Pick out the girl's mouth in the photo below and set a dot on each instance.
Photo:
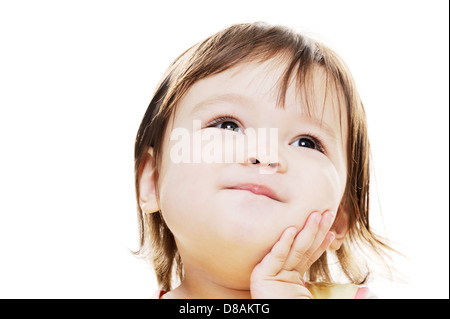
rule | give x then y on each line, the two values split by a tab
257	189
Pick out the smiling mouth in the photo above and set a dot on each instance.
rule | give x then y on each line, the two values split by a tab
257	190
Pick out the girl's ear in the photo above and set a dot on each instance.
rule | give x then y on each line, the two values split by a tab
147	187
339	228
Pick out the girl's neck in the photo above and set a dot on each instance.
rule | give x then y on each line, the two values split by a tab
197	286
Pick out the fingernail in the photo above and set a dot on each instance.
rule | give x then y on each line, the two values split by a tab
318	217
330	213
330	216
331	236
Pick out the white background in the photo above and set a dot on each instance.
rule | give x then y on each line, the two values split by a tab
76	78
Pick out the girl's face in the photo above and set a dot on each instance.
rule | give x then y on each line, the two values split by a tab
226	216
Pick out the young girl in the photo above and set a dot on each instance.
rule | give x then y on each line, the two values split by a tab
252	171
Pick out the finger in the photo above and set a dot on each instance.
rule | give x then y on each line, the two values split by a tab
324	226
323	247
273	262
317	247
303	242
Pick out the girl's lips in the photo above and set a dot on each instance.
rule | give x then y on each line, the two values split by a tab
257	189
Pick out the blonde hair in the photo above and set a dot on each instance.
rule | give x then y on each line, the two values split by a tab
259	42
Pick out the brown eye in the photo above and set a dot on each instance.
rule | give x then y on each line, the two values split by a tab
308	142
228	125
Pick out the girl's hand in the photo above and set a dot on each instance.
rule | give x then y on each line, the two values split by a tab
280	273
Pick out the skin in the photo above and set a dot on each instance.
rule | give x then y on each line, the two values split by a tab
235	243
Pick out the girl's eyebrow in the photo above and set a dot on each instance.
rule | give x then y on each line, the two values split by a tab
233	98
239	99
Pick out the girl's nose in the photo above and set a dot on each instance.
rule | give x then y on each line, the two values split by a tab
266	166
254	160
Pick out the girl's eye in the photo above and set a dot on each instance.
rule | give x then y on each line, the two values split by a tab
308	142
227	123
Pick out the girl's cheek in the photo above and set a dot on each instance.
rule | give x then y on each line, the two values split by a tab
318	187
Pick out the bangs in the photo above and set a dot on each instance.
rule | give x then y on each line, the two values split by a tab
316	88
